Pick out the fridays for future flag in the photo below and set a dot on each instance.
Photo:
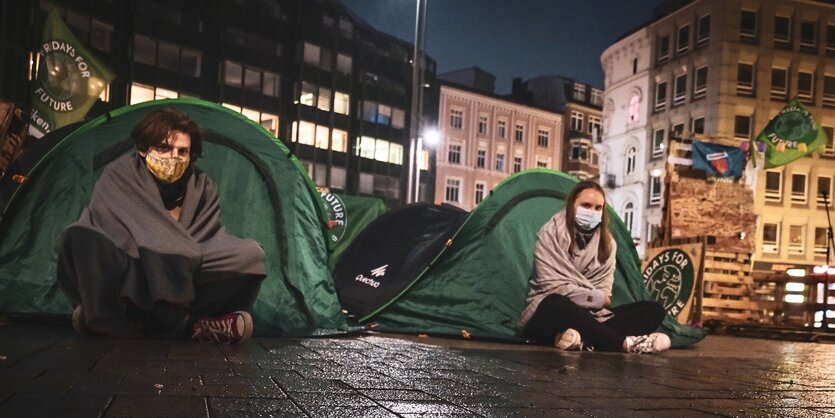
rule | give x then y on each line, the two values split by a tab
791	135
69	80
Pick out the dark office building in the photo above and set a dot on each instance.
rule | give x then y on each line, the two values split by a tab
334	89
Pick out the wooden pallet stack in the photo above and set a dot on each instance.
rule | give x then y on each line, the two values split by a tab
730	294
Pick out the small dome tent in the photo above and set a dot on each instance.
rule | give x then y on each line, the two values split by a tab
477	284
264	195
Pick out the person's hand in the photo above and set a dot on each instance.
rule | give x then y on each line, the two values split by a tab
607	303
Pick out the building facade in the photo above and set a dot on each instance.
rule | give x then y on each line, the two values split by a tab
628	172
486	138
718	72
334	89
581	106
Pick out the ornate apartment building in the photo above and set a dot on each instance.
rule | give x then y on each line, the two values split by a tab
581	105
719	71
486	138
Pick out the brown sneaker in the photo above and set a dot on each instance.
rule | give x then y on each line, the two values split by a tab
231	328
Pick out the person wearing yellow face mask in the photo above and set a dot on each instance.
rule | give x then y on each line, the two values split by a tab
149	256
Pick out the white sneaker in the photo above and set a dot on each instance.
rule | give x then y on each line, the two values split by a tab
647	344
569	340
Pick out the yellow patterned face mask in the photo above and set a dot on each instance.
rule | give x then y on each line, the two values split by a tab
167	170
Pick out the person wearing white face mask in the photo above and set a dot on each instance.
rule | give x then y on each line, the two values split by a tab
570	300
149	255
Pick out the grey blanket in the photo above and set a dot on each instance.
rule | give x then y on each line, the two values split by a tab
580	277
153	257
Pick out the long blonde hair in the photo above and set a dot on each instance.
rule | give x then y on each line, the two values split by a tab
604	247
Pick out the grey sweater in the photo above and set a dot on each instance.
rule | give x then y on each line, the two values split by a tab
580	277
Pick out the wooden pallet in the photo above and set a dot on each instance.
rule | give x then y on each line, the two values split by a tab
729	292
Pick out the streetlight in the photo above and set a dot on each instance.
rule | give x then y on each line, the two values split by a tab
431	137
417	99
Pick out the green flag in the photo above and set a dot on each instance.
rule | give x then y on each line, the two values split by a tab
69	81
791	135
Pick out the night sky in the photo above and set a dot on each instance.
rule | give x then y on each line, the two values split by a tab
513	38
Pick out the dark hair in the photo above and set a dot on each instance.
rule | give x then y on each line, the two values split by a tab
155	129
604	248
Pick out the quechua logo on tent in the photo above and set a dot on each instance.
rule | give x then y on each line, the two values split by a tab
669	279
377	272
337	216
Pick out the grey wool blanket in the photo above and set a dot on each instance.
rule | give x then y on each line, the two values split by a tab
578	276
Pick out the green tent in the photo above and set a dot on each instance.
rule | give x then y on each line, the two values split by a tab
347	217
477	286
264	194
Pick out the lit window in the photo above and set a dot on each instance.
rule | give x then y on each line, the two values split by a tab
634	108
339	140
341	103
308	94
324	102
140	93
306	133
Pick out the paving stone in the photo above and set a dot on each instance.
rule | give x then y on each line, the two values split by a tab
313	385
354	399
53	405
158	406
348	412
422	407
253	407
398	395
526	412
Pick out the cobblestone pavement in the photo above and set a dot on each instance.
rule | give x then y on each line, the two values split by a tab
47	371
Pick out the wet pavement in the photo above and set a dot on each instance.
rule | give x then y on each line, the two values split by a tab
47	371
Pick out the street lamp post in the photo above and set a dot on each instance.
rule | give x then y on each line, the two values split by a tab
417	104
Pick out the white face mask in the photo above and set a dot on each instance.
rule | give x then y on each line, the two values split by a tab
587	219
